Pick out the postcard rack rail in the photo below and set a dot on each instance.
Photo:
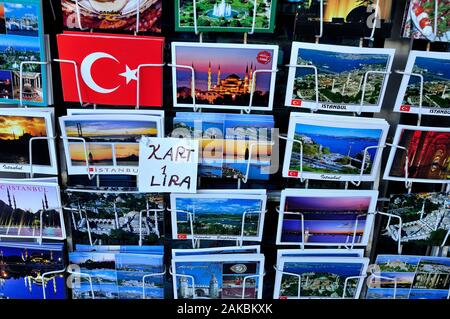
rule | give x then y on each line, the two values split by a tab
196	238
244	282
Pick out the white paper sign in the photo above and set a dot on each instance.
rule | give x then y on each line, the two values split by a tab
168	165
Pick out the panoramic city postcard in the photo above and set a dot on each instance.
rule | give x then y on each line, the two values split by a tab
344	74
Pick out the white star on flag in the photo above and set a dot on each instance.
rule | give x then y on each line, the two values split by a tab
129	74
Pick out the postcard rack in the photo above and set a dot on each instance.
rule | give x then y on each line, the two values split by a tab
375	277
300	280
196	238
420	76
200	34
47	274
75	277
50	139
248	110
138	74
144	278
316	80
363	95
245	178
192	279
174	67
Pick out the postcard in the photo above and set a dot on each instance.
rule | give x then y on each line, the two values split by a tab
416	277
229	143
255	249
224	75
218	216
111	140
22	40
423	215
22	268
428	150
419	21
434	67
319	277
338	11
218	276
18	128
117	275
341	71
320	253
331	218
111	218
108	75
30	210
113	15
335	148
225	16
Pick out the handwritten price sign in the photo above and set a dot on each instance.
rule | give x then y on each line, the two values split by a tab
168	165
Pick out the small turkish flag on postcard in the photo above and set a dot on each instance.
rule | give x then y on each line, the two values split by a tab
405	108
107	66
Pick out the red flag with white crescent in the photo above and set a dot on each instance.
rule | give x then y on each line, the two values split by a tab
107	66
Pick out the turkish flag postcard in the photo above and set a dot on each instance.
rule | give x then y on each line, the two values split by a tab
107	68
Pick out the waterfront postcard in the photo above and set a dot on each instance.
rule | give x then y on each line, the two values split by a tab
113	15
335	217
319	277
434	69
225	15
106	143
428	150
343	75
21	127
22	41
226	76
31	210
237	276
218	216
25	267
424	217
229	143
334	148
112	218
409	277
116	275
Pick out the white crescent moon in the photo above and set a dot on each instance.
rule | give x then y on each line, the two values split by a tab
86	66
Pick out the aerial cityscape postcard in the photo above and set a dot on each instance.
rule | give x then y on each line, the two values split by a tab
26	271
334	148
331	218
20	128
419	21
428	150
112	218
116	275
343	74
113	15
106	144
225	16
218	216
319	277
229	143
22	41
434	69
343	11
424	216
237	276
31	210
226	75
409	277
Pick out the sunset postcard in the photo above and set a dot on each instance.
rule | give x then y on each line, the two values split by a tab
328	220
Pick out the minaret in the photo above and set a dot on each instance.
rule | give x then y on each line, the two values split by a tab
192	83
9	197
14	200
45	200
209	76
43	205
91	158
218	76
79	129
246	80
443	93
